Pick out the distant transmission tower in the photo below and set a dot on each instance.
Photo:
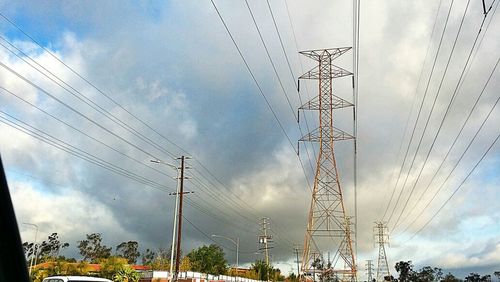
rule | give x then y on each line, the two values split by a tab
381	239
369	270
329	227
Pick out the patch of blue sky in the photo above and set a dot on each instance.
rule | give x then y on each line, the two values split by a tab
45	30
153	9
490	172
480	227
37	183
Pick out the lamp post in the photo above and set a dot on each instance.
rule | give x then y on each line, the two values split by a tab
236	242
175	214
35	251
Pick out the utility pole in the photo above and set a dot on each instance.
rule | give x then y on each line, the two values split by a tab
179	217
264	241
369	270
174	224
381	239
296	249
329	226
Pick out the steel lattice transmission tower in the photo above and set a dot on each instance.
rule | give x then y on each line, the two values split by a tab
381	239
369	270
329	227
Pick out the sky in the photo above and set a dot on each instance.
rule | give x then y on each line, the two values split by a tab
163	79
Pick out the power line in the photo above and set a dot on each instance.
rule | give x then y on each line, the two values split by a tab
211	239
74	110
257	84
278	76
59	144
89	82
458	187
252	75
77	94
102	92
430	115
466	149
96	88
82	132
463	124
419	112
413	102
453	98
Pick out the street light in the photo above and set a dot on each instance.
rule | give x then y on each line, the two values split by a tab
175	214
236	242
34	245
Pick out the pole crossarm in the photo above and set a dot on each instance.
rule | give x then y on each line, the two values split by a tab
333	53
316	73
337	103
314	136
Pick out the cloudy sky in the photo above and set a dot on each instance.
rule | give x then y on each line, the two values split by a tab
160	79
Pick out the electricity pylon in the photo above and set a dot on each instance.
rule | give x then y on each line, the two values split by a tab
328	227
369	270
381	239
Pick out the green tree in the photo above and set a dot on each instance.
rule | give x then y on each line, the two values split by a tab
128	250
148	256
405	270
160	260
92	248
126	274
208	259
450	278
426	274
262	269
50	249
325	269
47	250
292	277
111	265
474	277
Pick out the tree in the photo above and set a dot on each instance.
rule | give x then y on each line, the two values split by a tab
160	260
450	278
92	248
262	269
128	250
326	273
185	264
405	270
497	274
148	256
426	274
111	265
29	250
292	277
474	277
126	274
208	259
46	250
50	249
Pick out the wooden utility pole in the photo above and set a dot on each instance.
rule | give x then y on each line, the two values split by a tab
179	224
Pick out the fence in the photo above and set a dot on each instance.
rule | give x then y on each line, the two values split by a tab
195	276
